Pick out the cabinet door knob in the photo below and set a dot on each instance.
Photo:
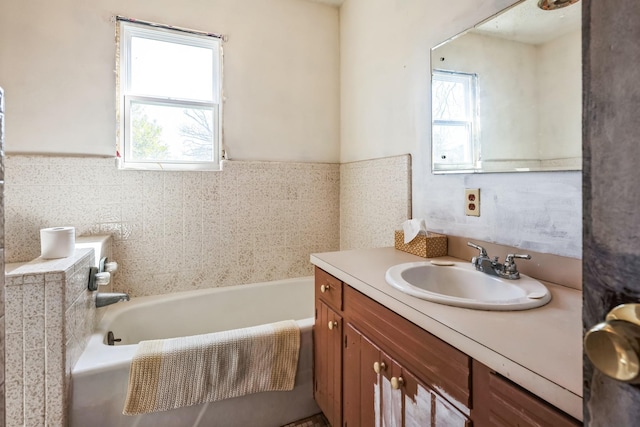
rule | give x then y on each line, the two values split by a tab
613	346
379	367
325	288
396	383
333	324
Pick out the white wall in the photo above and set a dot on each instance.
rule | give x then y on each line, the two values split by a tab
560	72
385	104
281	74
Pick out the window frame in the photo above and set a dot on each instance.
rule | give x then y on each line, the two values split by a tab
472	122
127	29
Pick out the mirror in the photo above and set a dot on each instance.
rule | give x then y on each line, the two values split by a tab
507	94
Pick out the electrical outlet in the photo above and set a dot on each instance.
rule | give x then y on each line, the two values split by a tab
472	201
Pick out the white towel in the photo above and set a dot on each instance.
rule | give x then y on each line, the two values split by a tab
176	372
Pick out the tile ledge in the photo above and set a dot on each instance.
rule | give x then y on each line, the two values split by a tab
41	266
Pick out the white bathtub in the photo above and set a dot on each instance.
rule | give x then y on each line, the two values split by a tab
99	379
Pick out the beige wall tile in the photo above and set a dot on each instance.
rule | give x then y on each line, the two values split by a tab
375	198
34	384
232	225
38	376
13	308
2	357
33	332
14	382
54	304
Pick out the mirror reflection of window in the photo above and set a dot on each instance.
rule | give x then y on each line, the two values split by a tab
455	120
528	62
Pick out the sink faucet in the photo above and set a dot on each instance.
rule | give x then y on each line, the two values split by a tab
508	270
108	298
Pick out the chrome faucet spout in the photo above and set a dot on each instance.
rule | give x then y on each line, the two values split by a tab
107	298
508	270
488	266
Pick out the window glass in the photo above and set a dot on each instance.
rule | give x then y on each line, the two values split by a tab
452	95
171	70
162	132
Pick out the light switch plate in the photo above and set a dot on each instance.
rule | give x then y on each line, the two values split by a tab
472	201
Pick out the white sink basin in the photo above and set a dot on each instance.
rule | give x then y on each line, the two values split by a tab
461	285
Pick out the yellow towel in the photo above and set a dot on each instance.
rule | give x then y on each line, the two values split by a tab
172	373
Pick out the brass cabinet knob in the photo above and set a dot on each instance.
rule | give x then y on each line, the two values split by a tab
379	367
396	383
333	324
613	346
325	288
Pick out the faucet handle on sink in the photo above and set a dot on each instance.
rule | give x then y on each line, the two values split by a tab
510	257
510	265
483	251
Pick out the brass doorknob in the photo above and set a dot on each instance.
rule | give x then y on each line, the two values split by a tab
379	367
325	288
333	324
396	383
613	346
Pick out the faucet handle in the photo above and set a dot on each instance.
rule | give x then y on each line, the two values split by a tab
509	263
103	279
483	251
510	257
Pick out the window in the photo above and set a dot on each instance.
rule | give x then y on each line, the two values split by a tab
455	123
169	98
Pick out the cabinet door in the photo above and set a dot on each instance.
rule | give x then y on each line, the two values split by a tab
327	334
425	407
362	360
391	394
379	392
369	400
498	402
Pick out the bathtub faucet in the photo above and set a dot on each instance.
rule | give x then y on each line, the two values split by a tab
108	298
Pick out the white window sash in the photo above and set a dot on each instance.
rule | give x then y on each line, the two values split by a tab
470	122
128	30
148	164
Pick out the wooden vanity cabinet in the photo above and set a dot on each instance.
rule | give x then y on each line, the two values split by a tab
327	348
373	367
372	364
500	403
377	387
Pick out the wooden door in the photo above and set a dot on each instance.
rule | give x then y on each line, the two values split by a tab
328	362
611	190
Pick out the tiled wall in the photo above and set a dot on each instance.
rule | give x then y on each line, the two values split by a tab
253	221
375	198
173	231
49	318
2	294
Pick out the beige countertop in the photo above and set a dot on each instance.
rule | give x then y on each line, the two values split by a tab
539	349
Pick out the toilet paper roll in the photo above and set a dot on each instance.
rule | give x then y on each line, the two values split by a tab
57	242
